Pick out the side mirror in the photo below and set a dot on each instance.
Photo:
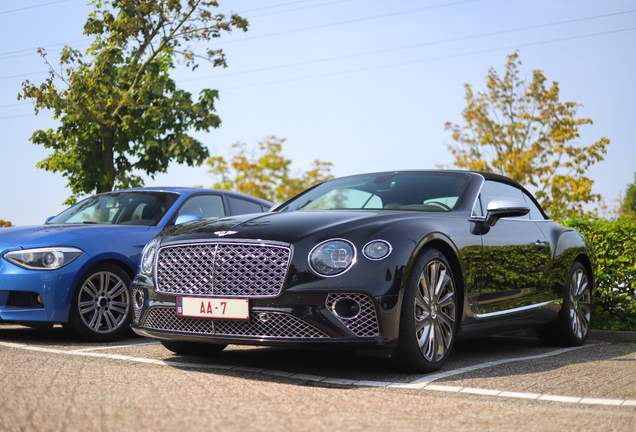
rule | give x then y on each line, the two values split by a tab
505	207
186	218
48	219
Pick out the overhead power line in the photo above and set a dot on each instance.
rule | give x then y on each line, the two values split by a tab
404	47
384	51
32	7
430	59
29	51
275	6
451	56
32	50
352	21
294	9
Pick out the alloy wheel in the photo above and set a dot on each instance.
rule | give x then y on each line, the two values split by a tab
103	302
435	311
580	301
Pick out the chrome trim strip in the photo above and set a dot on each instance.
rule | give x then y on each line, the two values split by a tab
224	241
515	310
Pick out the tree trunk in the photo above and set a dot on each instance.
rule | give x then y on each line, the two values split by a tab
107	165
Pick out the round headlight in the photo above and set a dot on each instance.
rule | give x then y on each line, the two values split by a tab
377	249
332	257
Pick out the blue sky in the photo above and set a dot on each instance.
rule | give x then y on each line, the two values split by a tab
364	84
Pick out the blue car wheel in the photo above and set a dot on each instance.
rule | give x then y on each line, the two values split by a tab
100	310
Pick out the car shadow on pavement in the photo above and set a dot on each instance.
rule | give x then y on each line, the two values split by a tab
55	337
518	354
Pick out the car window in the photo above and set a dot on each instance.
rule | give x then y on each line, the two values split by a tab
240	206
203	205
345	199
390	191
119	208
535	212
492	189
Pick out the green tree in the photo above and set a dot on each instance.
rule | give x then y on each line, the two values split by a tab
264	173
119	109
520	129
4	223
628	207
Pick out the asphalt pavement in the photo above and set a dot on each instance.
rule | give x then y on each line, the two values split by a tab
50	382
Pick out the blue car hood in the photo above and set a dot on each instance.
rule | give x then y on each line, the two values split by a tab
60	235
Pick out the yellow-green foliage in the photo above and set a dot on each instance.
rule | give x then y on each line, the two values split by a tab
266	173
615	246
521	129
4	223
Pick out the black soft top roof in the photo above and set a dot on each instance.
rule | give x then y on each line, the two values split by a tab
511	182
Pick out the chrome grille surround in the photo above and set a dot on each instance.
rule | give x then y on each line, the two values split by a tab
365	323
222	269
276	325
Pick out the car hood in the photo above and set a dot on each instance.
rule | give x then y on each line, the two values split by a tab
59	235
287	227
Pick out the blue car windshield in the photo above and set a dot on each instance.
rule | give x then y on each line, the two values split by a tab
391	191
119	208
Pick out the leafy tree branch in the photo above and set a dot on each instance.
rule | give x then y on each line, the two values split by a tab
119	109
521	129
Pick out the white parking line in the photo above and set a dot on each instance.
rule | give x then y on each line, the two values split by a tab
434	377
115	347
315	378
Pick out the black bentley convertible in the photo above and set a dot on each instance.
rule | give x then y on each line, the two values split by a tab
399	262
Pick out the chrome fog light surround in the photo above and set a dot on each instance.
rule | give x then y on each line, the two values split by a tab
138	299
346	308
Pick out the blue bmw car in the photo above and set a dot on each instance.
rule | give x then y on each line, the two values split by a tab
76	268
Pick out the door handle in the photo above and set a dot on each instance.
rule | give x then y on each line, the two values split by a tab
539	245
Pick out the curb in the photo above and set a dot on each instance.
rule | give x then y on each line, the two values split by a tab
609	335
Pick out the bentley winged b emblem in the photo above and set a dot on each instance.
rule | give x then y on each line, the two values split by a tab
224	233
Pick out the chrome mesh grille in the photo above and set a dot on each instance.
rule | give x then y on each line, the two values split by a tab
366	322
222	269
165	318
277	325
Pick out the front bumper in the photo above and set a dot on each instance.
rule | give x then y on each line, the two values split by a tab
291	319
20	288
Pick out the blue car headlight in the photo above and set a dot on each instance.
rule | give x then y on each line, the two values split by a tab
148	257
332	257
48	258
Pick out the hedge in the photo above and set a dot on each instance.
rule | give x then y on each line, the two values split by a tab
615	245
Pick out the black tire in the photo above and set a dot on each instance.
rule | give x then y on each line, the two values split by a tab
100	310
428	319
573	322
193	348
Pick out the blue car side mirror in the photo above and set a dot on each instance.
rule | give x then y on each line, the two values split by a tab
186	218
48	219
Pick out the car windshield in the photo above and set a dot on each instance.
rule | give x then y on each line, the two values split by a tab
394	191
119	208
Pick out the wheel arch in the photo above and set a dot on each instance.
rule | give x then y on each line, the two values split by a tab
587	263
116	262
450	253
